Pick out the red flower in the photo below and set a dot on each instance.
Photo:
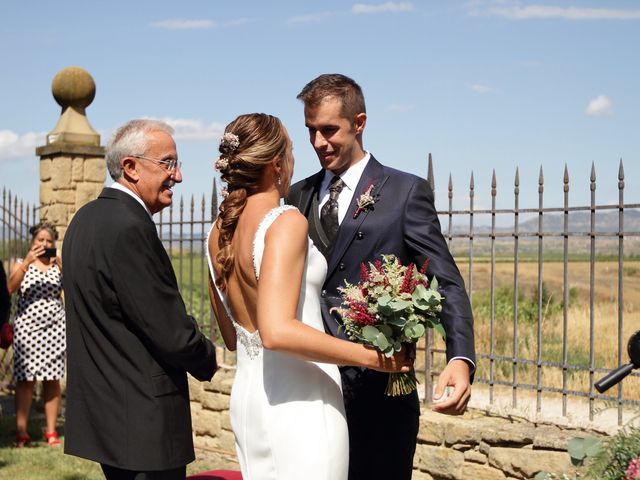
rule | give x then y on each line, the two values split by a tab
359	313
408	284
364	273
423	269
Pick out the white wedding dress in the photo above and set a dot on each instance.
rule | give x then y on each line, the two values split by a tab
287	414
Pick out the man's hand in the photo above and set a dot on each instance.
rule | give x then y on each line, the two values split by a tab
456	375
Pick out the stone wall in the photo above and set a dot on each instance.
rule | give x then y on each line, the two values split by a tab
475	446
68	180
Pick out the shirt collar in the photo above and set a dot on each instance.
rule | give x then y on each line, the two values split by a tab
351	176
122	188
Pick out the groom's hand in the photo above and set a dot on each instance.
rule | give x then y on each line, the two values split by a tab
456	375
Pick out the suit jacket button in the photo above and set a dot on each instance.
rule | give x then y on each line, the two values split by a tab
341	267
323	293
360	235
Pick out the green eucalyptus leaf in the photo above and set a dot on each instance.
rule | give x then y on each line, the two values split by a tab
397	320
384	300
440	329
386	330
381	342
399	304
418	330
370	333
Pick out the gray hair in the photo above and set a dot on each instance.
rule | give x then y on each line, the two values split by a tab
131	139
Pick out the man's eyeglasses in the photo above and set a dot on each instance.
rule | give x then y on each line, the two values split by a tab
169	165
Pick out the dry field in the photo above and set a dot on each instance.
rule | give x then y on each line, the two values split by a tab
605	323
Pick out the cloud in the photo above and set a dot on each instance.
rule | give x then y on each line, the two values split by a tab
599	107
237	22
312	17
186	129
14	146
514	11
181	24
364	8
481	89
399	108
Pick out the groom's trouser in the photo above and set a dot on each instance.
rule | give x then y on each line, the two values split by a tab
114	473
382	430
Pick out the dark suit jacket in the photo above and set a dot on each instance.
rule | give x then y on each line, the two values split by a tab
130	342
403	222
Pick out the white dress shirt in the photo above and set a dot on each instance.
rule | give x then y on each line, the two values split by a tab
122	188
350	177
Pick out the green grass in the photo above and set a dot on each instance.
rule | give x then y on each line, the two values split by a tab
38	461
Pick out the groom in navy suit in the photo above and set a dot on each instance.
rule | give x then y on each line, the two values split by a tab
400	218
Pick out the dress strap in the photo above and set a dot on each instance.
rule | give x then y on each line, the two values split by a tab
222	297
258	239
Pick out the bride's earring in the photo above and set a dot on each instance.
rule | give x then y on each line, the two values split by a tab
279	181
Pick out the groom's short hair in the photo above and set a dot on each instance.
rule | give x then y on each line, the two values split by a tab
338	86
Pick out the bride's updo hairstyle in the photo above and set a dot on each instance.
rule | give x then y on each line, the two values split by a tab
250	144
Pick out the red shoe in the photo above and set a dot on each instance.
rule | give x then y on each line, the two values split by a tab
22	440
52	439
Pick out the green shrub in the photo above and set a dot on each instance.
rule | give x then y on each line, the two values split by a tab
612	461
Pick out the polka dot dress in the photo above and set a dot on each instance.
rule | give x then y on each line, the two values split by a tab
39	342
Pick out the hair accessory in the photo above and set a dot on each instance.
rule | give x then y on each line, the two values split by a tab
221	164
224	193
230	141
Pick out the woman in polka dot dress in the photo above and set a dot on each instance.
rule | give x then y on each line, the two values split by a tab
39	331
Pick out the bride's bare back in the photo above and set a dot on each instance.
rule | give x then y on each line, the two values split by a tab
242	285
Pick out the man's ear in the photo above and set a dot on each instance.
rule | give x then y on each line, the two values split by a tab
360	120
129	169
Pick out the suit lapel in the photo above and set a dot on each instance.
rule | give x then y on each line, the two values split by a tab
373	175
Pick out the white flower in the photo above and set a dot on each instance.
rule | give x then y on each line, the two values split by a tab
221	164
230	141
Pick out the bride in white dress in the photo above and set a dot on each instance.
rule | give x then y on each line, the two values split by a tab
286	409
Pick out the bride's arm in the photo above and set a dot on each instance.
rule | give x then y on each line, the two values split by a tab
224	323
278	291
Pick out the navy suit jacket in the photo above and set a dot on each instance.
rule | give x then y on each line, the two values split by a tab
130	342
402	221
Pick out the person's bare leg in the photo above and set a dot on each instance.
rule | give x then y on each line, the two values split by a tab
24	396
51	393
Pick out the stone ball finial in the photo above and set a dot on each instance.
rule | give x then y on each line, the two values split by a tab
73	87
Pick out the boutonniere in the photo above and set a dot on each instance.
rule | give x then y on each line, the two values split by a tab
365	201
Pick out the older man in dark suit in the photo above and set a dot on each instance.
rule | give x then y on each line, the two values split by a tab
358	209
130	341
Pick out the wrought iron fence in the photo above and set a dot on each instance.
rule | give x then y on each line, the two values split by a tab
526	346
526	322
16	217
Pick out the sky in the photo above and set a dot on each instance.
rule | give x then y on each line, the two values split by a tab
481	85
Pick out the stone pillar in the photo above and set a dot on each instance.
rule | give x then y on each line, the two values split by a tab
72	164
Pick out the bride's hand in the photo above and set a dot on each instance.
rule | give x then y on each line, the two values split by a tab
401	361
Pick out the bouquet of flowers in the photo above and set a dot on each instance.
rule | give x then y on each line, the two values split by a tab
391	305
